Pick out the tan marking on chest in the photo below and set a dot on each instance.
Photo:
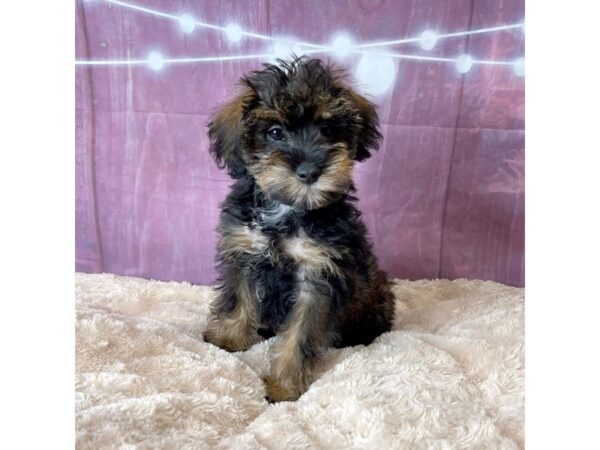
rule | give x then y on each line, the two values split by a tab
313	257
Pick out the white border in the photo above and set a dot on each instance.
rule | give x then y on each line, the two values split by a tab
37	225
562	225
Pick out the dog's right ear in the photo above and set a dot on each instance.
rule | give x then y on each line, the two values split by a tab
225	134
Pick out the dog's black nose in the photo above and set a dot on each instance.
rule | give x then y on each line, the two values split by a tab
308	172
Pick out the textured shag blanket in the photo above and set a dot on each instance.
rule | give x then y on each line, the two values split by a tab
450	375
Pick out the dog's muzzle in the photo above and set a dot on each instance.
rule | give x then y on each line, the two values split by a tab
308	172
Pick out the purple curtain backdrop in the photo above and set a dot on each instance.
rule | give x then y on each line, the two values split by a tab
444	196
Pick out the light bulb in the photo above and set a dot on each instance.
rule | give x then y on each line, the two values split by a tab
519	67
342	45
187	23
428	40
464	63
376	73
155	61
233	32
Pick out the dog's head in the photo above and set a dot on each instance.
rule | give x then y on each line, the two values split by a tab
297	129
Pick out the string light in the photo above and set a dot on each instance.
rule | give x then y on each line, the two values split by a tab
428	40
341	47
464	63
198	23
410	57
187	23
172	60
519	67
281	51
375	74
156	61
441	36
234	32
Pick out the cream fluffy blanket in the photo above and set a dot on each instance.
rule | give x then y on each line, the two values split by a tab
449	376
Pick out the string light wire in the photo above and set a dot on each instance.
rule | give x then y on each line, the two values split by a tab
172	60
208	25
441	36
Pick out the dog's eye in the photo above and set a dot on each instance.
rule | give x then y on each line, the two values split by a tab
276	133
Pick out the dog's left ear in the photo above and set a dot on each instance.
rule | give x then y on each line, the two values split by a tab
225	134
369	136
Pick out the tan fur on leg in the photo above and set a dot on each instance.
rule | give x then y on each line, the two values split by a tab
235	331
292	370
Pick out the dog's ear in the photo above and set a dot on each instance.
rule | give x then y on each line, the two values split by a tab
225	133
369	136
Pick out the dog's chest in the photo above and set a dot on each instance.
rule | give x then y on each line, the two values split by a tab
285	272
285	237
284	259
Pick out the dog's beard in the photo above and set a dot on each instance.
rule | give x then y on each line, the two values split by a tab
277	179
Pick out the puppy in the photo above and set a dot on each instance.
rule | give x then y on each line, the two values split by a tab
293	253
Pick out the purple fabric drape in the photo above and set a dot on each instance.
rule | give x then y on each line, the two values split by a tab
444	196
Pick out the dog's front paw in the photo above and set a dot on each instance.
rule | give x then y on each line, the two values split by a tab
231	343
278	391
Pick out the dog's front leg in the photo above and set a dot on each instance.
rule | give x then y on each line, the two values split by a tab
304	337
233	323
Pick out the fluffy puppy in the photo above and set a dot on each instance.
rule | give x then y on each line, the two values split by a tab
294	258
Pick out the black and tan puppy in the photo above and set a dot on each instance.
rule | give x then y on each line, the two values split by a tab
293	252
